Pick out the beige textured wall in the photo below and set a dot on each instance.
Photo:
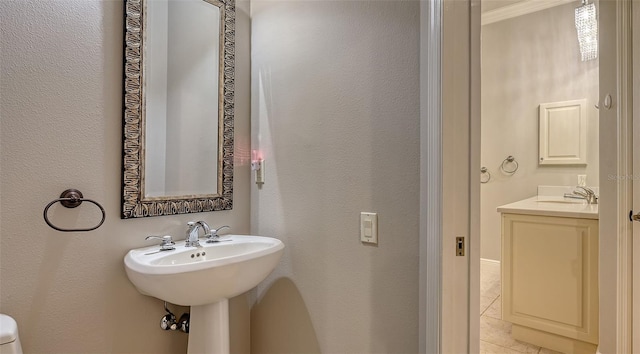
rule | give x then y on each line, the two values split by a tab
335	112
526	61
61	101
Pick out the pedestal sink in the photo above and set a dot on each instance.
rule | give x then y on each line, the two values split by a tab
204	278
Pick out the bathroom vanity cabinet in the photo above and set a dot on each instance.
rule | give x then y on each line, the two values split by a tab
550	277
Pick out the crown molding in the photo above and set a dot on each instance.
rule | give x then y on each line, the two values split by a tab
521	8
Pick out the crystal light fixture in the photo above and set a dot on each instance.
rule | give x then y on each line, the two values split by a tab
587	28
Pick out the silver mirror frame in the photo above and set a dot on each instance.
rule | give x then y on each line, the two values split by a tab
134	204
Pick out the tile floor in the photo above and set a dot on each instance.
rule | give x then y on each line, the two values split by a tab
495	334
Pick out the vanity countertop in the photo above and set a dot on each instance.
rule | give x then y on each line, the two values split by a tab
552	206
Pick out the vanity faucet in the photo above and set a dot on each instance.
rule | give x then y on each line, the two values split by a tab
587	193
192	233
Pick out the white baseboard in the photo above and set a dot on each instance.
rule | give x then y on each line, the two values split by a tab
487	260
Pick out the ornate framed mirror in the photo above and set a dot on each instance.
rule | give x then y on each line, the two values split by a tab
179	69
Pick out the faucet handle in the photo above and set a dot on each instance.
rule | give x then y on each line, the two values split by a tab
215	231
166	244
213	236
588	194
586	190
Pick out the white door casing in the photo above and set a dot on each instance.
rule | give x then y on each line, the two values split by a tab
430	272
615	159
475	163
456	176
636	183
615	145
447	192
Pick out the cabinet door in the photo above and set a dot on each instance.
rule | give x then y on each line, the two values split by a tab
563	133
550	274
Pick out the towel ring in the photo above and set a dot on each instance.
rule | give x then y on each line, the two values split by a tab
510	160
485	176
72	198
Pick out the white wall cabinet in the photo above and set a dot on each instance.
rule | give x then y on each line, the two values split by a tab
550	281
563	133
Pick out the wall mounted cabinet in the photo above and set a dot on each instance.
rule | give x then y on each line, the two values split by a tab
563	133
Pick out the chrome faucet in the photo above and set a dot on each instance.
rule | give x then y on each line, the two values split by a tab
584	193
192	233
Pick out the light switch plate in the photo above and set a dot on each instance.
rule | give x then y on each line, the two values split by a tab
582	180
369	228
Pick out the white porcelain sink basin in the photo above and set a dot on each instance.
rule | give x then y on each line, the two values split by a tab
191	276
561	200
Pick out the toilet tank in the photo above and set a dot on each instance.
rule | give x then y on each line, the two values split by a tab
9	340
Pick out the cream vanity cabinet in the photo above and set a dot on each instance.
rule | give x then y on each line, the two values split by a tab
550	276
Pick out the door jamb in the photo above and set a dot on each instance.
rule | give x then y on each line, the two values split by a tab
624	109
635	281
430	246
623	196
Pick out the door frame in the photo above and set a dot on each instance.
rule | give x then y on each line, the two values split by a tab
449	107
616	165
635	291
430	228
450	91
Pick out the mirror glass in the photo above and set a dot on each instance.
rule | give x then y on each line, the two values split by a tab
181	102
178	118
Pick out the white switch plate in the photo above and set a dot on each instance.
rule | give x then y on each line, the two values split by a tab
582	180
369	228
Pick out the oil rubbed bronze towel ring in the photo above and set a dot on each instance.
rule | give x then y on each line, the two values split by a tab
72	198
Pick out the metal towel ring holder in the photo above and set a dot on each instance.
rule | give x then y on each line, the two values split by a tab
485	176
72	198
510	160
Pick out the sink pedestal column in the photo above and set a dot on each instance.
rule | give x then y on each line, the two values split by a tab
209	329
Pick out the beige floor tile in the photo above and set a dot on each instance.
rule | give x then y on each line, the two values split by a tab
489	280
492	271
488	348
548	351
488	297
490	289
495	309
487	268
485	302
498	332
